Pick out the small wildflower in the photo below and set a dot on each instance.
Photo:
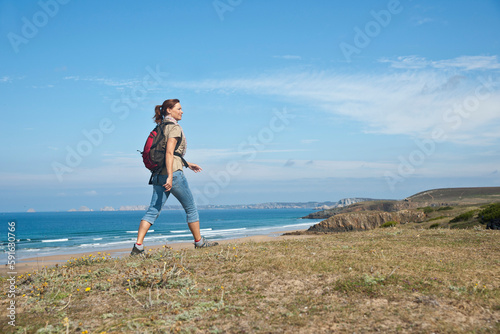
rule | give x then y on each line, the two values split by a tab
87	289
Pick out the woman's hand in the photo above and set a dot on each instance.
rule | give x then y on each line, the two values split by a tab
194	167
168	184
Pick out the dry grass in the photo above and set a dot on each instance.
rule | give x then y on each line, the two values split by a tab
385	280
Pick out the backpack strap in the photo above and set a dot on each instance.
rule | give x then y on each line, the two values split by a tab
184	162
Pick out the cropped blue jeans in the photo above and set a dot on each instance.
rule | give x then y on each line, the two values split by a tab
180	190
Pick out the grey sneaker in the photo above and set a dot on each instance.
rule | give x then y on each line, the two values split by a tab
205	243
136	251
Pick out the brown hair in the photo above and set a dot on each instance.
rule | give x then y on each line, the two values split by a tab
161	111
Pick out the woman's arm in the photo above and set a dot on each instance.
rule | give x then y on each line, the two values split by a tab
194	167
169	162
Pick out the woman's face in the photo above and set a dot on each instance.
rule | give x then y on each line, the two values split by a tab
176	112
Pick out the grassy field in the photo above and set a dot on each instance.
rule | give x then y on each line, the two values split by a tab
390	280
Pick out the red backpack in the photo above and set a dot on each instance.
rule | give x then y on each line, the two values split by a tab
153	154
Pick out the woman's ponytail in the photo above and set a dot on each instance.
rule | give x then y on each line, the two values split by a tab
158	117
161	111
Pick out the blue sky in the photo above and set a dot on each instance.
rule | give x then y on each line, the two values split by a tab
283	100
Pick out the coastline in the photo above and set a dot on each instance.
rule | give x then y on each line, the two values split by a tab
39	262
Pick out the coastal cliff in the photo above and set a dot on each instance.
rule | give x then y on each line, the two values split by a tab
371	205
360	221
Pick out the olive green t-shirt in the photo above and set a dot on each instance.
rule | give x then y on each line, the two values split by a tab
175	131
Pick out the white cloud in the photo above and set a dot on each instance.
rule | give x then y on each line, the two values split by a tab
289	57
421	20
308	141
464	63
413	103
209	155
106	81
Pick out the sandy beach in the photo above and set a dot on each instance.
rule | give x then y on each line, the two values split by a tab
39	262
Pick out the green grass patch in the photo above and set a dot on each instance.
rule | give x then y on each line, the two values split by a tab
390	223
436	218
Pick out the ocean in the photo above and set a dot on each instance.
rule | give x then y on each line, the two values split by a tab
56	233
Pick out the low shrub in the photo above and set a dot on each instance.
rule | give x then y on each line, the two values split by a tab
428	209
491	212
435	225
463	217
444	208
390	223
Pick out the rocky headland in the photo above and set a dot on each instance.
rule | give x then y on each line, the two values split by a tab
361	221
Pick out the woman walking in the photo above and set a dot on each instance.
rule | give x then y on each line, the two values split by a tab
171	179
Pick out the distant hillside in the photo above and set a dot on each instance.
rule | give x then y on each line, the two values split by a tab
269	205
461	196
288	205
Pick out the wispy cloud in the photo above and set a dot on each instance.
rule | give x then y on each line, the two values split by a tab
308	141
433	94
216	154
418	21
464	63
106	81
289	57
